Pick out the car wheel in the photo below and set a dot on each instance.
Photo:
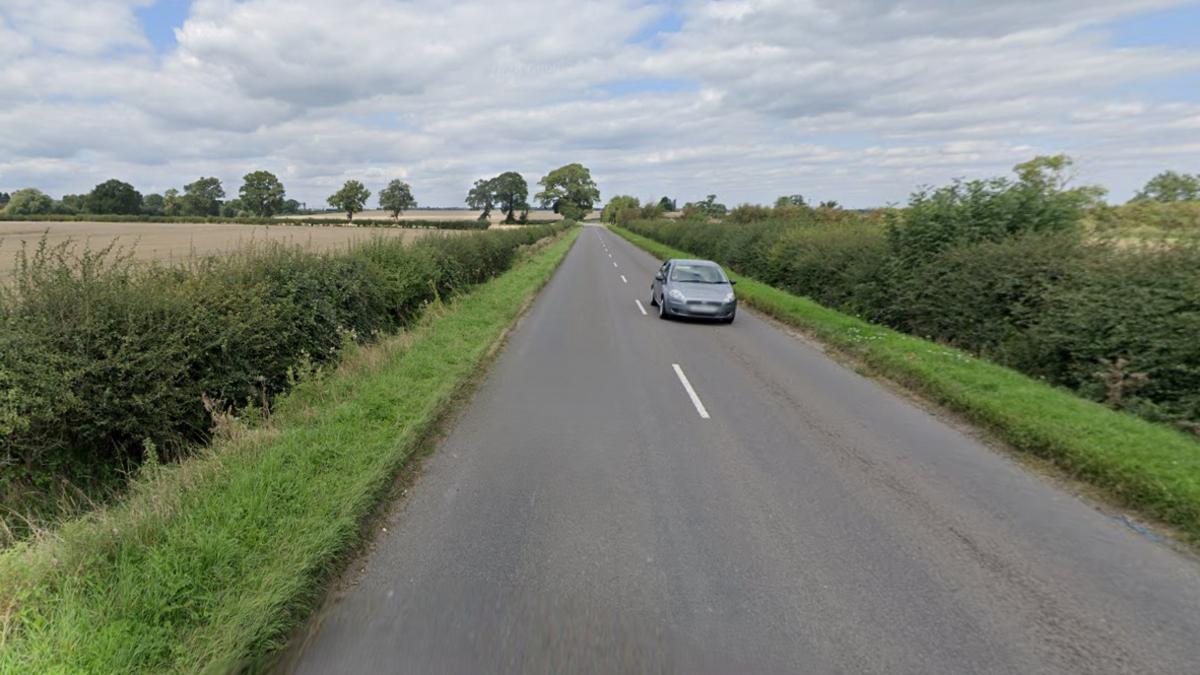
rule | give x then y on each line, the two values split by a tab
662	309
653	302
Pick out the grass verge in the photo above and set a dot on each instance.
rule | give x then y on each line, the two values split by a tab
208	566
1137	464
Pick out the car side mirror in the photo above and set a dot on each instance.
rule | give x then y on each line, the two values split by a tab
658	277
733	282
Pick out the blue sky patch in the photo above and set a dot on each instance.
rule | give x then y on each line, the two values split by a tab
161	19
1176	89
652	33
1177	27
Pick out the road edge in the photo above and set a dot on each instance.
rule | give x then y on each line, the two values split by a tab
285	659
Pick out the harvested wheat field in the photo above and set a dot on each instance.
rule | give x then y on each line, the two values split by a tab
165	242
496	215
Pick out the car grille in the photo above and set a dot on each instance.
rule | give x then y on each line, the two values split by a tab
713	303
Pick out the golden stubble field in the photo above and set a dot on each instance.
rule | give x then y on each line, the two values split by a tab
165	242
440	214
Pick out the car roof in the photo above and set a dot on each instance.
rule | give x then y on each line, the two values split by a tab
688	261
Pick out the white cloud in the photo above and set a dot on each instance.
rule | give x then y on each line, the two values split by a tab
82	28
857	100
12	43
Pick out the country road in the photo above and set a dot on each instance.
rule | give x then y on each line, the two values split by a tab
587	514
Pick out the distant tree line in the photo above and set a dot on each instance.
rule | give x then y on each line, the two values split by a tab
1170	186
261	195
568	190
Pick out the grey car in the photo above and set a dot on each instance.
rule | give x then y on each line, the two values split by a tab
693	288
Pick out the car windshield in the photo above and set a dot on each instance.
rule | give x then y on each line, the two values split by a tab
698	274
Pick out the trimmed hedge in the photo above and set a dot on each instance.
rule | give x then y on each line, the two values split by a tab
103	360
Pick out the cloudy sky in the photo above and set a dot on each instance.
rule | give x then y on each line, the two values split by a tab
853	100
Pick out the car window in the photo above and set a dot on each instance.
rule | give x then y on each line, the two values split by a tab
698	274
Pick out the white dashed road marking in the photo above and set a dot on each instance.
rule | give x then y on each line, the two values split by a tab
690	392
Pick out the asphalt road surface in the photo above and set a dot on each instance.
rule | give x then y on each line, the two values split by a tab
588	515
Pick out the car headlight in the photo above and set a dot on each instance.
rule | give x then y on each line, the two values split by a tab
730	297
676	294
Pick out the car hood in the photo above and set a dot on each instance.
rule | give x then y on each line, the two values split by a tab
702	291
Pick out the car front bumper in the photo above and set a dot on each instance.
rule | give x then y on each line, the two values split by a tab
701	309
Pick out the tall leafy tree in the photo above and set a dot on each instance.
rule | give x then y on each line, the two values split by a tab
234	208
482	196
569	190
262	194
511	192
1053	175
792	206
28	202
711	207
616	205
351	198
153	205
1170	186
114	197
4	197
667	204
62	208
396	198
1048	172
172	203
203	197
71	204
